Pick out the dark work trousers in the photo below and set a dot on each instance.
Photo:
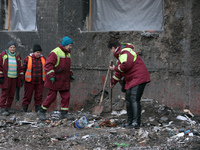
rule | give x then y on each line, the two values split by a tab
51	97
29	88
133	106
7	95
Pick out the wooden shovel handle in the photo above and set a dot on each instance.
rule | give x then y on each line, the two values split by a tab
111	74
104	85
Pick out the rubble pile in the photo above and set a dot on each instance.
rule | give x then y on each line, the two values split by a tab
161	128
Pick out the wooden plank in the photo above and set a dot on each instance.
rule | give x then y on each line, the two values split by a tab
9	6
90	15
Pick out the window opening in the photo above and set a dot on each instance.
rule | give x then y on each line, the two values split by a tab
126	15
20	15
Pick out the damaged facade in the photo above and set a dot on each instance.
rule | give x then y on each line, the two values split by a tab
171	57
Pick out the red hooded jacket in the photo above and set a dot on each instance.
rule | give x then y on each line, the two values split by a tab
130	66
57	66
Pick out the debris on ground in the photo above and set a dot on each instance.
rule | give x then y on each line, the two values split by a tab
161	128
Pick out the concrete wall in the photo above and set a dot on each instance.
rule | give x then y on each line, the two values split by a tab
172	58
46	36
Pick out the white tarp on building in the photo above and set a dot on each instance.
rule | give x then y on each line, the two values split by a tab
23	15
127	15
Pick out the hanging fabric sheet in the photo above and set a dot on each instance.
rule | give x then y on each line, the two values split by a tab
23	15
127	15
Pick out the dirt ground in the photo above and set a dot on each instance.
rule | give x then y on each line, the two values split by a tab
160	129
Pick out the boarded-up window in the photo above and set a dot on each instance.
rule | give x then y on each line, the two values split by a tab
126	15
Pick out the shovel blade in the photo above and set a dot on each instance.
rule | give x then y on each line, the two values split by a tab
97	110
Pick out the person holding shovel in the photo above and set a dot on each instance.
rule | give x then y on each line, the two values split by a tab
131	67
58	75
11	77
33	67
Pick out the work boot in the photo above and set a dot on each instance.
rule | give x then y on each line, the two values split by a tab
129	123
130	117
135	125
136	114
41	114
64	115
10	111
25	108
4	112
133	108
129	112
37	108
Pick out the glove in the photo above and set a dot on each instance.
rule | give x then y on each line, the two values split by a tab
1	80
52	80
72	78
122	83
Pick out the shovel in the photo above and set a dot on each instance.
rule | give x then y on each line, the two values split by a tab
98	109
111	74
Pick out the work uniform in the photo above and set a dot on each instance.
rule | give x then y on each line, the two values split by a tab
34	79
57	66
12	73
131	67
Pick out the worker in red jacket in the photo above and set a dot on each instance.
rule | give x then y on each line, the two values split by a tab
33	67
11	77
58	74
131	67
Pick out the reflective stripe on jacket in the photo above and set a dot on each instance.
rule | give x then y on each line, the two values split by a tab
29	69
4	69
60	54
130	66
57	66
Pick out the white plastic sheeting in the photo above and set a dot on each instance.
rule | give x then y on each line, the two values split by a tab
127	15
23	15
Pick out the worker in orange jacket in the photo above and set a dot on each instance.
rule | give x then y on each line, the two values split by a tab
33	67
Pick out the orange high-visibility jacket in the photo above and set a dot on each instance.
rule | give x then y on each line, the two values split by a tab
29	69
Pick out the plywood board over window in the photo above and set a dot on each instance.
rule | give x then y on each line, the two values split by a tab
125	15
21	15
